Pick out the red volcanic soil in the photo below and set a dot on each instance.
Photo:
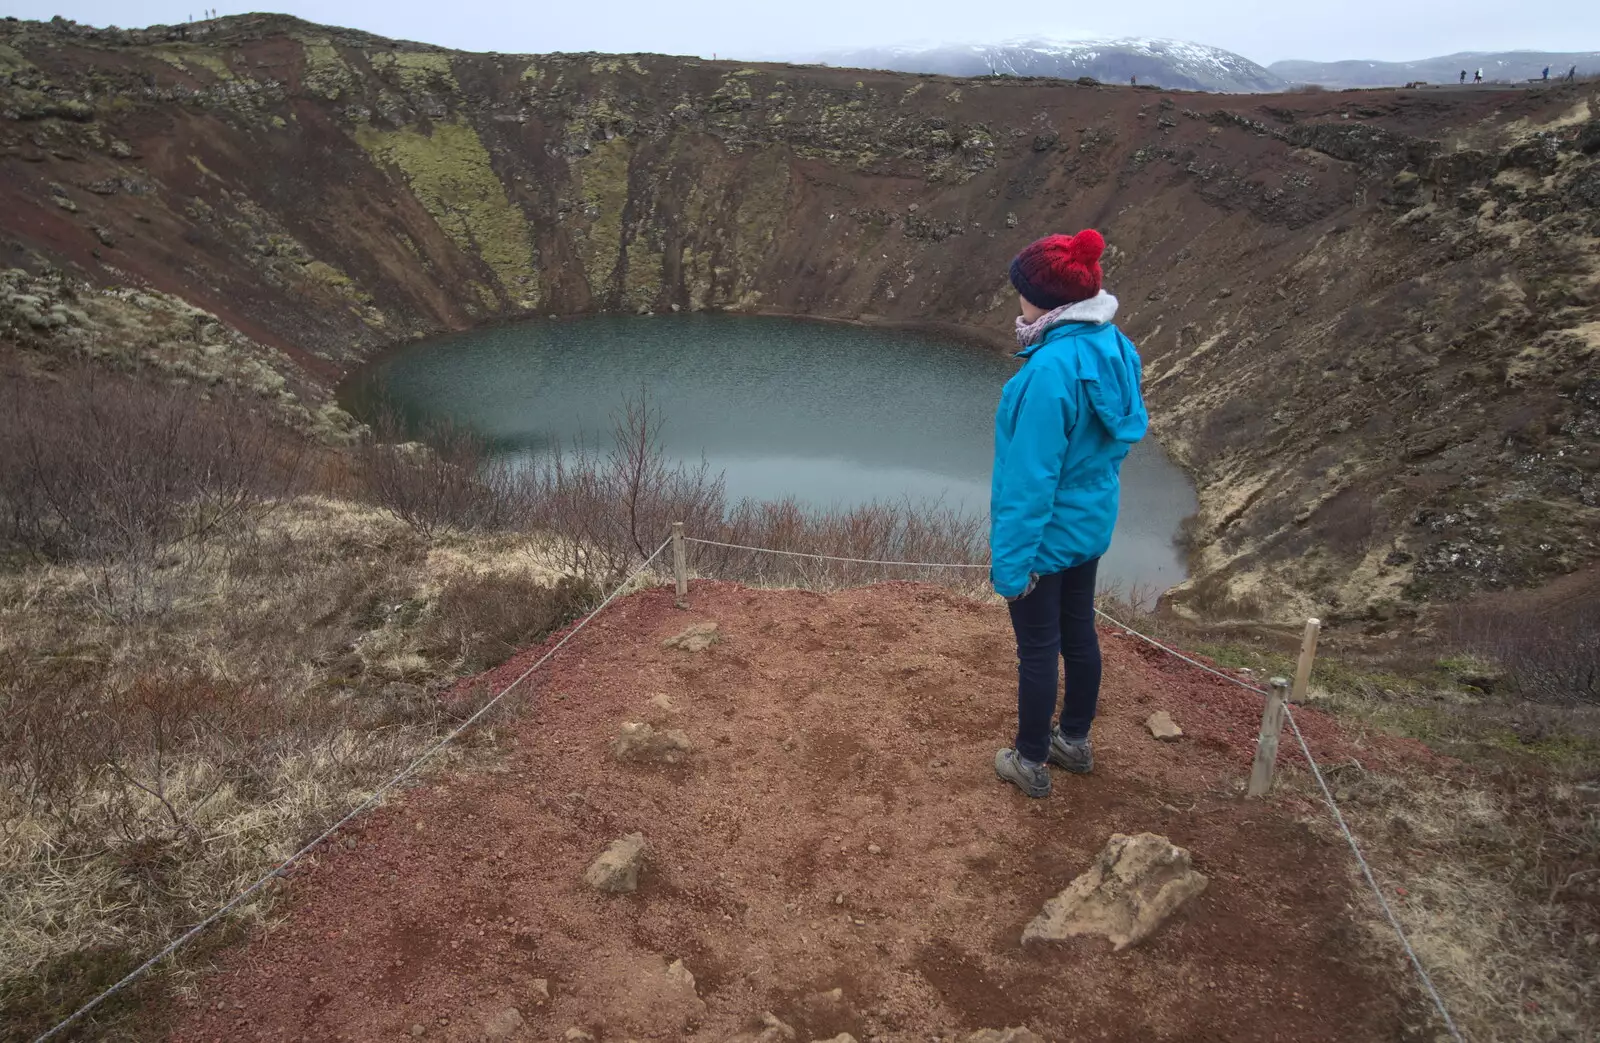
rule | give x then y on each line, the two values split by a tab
838	825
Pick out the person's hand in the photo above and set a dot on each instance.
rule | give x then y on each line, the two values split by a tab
1033	581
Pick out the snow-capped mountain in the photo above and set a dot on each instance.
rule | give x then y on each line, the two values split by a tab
1161	63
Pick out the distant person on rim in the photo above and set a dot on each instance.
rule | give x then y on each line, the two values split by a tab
1477	77
1463	76
1065	423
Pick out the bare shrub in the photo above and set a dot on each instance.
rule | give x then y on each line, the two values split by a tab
608	511
1552	657
448	480
930	534
480	620
123	476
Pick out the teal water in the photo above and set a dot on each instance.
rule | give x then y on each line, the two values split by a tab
834	415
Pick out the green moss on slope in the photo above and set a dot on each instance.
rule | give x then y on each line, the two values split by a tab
416	70
450	174
326	73
601	180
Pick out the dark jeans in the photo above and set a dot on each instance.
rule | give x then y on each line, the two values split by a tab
1056	621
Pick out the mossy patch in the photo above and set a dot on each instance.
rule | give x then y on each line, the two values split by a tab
183	58
763	206
450	174
11	60
416	70
326	74
601	180
641	286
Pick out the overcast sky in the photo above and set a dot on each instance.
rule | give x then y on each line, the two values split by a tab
1388	30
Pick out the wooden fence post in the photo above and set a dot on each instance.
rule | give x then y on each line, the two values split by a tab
1308	654
680	565
1267	742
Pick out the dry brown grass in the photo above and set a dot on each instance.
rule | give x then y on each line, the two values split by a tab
1494	879
1489	858
148	771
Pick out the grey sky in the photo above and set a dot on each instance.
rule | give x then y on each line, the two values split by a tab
1327	30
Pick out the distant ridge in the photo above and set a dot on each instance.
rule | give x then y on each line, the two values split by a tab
1512	66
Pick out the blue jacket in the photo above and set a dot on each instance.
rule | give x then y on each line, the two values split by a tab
1065	423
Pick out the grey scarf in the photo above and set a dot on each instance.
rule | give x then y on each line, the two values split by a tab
1102	307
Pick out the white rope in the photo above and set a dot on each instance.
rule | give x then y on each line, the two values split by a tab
1174	652
1366	870
372	799
831	557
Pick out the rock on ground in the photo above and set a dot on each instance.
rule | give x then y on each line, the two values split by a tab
772	1031
843	1037
1136	882
696	638
641	742
649	997
617	868
1163	727
504	1024
1017	1035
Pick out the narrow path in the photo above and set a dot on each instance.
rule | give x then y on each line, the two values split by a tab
836	826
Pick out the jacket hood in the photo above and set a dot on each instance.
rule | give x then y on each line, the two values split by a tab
1108	365
1114	388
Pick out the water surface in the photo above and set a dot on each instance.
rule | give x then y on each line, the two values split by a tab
834	415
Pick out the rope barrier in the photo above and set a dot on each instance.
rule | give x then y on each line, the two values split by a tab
404	773
1316	771
372	799
1366	871
1174	652
831	557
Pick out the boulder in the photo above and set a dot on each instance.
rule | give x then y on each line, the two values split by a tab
503	1024
642	743
697	638
617	868
1163	727
1135	883
772	1031
648	997
843	1037
1017	1035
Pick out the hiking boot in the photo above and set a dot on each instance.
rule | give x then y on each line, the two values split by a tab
1075	755
1032	779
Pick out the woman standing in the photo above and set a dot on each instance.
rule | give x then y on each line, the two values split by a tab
1065	423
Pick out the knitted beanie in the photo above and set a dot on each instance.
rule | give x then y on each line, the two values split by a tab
1059	269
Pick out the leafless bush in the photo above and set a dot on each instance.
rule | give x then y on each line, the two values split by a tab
930	534
447	480
125	476
479	621
1550	657
608	511
603	513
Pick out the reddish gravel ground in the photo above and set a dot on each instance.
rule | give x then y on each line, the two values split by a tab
838	826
